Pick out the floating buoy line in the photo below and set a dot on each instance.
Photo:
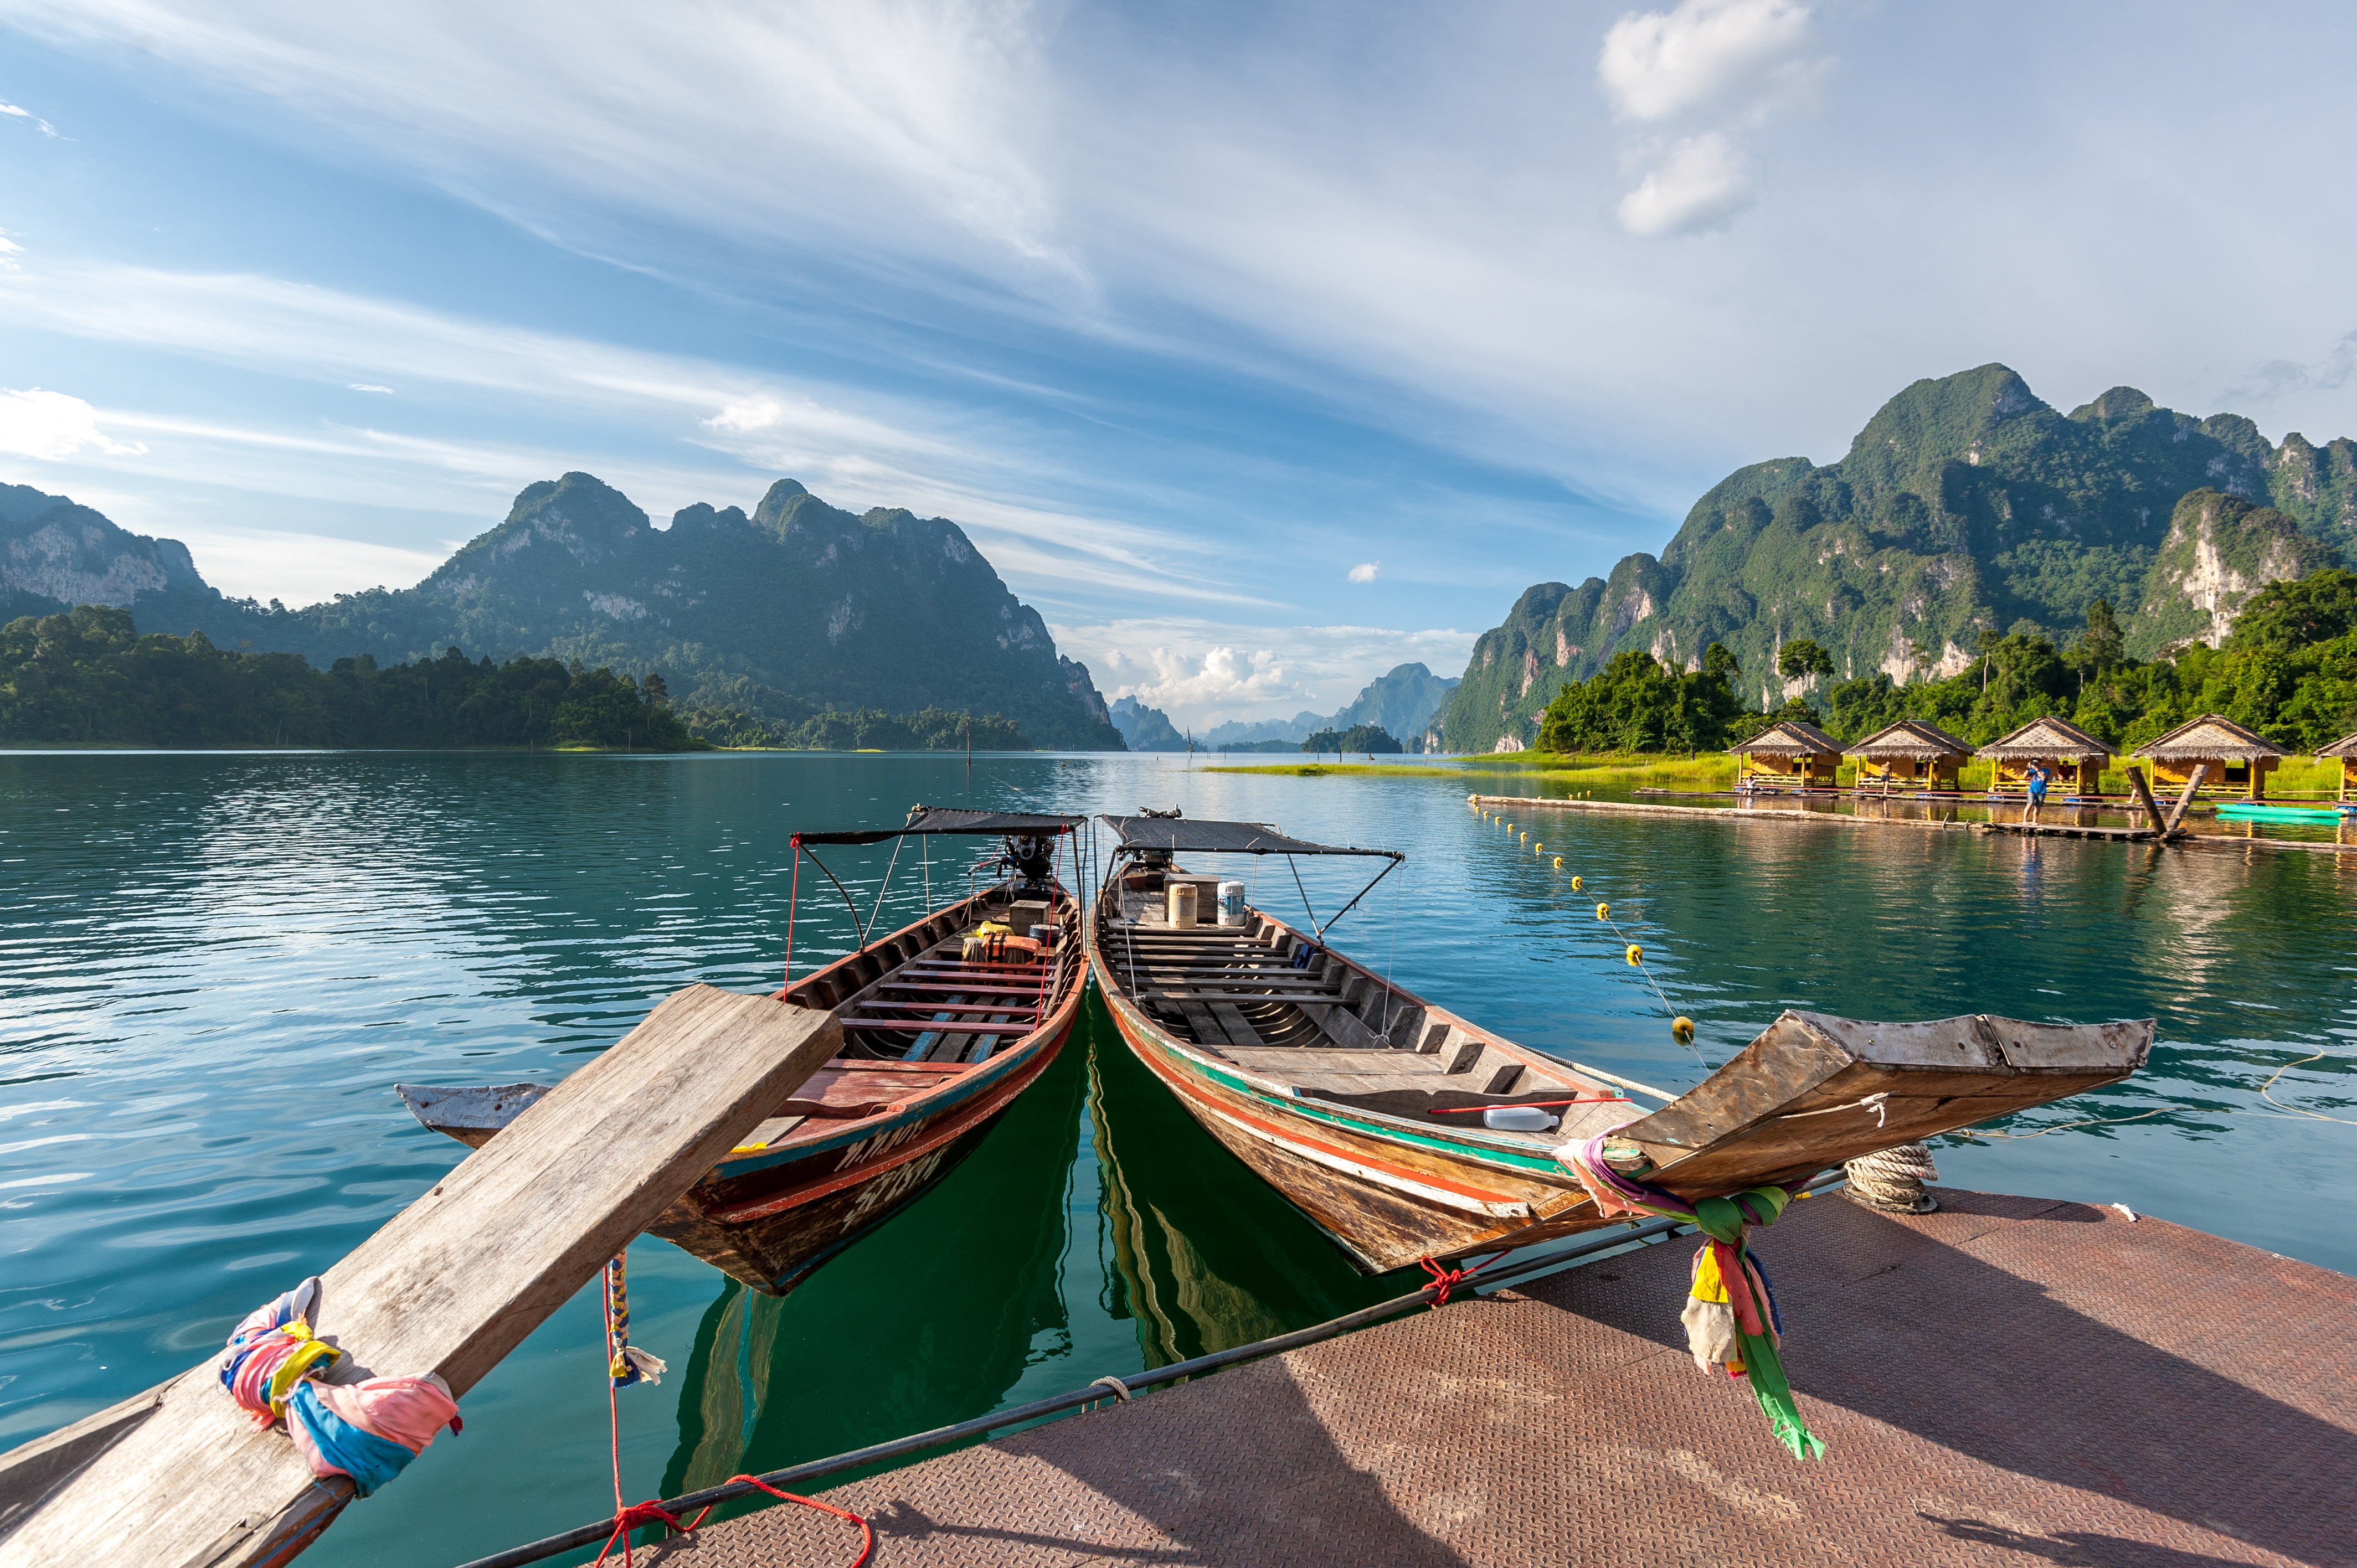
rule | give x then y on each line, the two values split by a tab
1682	1028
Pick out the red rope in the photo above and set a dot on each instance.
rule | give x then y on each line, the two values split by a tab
867	1530
1442	1279
792	899
630	1519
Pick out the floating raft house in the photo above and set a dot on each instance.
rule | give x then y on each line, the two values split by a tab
1909	755
1790	752
2079	757
2235	756
2345	749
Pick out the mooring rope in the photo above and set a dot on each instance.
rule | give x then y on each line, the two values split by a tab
1892	1179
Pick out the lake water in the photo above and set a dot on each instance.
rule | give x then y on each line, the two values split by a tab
213	968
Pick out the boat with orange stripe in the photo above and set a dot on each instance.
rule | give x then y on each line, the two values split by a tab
1405	1132
944	1023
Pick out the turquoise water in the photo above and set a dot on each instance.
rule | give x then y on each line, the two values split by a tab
213	967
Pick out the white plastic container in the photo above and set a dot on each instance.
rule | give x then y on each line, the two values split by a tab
1518	1119
1182	905
1232	903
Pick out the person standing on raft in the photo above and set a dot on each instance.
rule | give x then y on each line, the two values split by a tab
2037	778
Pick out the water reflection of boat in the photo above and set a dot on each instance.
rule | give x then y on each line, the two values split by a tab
1405	1131
1203	1256
934	1318
945	1022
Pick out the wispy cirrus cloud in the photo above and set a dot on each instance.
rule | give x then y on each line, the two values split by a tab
858	449
13	112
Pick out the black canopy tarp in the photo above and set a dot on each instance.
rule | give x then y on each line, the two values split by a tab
952	819
1181	836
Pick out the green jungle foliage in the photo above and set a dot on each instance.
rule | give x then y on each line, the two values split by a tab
1965	506
1636	704
1260	746
87	677
861	729
2288	671
1364	738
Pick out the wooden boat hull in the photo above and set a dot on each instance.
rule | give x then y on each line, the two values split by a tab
1392	1188
870	1135
774	1233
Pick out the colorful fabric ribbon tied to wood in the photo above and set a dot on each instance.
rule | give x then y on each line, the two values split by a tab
367	1432
625	1362
1730	1314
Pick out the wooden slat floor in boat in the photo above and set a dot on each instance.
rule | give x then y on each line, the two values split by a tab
2010	1381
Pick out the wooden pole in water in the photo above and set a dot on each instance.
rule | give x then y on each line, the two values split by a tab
2200	771
2144	797
178	1476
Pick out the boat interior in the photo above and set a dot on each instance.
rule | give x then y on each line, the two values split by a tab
918	1012
1263	996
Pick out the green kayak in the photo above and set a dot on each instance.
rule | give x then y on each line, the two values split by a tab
2262	812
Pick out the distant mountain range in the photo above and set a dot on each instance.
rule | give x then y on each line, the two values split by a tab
1401	701
797	605
1965	505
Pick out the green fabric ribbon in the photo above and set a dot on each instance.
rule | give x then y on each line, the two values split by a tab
1722	1219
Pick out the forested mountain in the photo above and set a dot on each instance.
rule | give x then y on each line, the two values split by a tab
1965	506
1143	728
799	605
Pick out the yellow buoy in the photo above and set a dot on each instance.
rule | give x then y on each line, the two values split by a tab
1636	955
1604	911
1574	881
1558	862
1683	1028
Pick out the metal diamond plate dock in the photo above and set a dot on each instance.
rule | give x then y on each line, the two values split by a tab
2009	1380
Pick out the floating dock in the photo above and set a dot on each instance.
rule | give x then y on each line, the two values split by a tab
1865	818
2008	1381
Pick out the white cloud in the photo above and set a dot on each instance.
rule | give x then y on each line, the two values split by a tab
1365	571
1701	183
54	426
301	568
1656	65
364	387
1201	672
13	112
1728	63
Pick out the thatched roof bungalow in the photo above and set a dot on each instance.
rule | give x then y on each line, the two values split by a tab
1790	753
2234	756
1909	755
2077	757
2345	749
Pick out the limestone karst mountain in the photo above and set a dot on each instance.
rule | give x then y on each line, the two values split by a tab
1965	505
797	604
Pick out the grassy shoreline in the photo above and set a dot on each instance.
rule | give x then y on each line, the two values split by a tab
2299	775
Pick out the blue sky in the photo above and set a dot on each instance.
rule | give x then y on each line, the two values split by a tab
1261	348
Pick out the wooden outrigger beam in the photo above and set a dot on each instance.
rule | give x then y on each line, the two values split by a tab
179	1478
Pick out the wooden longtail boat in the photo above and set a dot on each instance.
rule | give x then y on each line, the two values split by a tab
940	1032
1368	1107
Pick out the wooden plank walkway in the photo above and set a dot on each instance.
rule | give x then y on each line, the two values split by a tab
2010	1381
179	1478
